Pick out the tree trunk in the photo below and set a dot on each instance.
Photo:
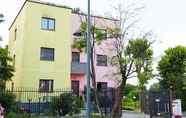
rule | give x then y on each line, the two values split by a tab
93	74
117	108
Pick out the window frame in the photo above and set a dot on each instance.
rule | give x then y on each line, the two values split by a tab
15	34
47	59
48	19
50	87
73	59
98	63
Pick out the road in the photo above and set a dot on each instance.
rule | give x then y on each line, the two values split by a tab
128	114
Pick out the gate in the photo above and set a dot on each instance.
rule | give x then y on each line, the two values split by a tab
159	104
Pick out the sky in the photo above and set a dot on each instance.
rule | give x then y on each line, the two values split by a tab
165	18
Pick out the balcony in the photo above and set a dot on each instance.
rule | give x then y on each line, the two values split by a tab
78	68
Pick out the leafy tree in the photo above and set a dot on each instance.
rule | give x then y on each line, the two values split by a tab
172	69
131	91
97	36
6	69
155	87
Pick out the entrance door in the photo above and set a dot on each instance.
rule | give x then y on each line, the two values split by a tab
75	87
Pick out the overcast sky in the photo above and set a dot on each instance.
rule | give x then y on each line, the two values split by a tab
165	18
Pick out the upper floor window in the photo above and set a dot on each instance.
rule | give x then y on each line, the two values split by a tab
101	60
47	23
15	34
76	57
14	59
47	54
46	85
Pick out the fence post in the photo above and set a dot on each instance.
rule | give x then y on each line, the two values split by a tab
29	103
39	104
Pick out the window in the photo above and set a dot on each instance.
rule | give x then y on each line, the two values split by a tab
75	87
101	86
14	60
76	57
46	85
101	60
47	54
48	23
15	34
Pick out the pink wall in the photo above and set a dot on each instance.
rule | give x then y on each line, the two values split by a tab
81	79
103	74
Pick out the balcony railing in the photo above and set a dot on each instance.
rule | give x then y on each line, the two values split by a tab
78	68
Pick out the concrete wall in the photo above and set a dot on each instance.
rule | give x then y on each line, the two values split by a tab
32	37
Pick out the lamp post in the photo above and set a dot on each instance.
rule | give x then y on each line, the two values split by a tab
170	101
88	61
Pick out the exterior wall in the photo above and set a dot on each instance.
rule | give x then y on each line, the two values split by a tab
103	74
32	69
16	46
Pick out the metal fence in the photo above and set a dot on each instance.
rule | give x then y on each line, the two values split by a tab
34	101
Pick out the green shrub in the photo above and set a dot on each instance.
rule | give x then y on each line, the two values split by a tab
65	104
15	115
7	99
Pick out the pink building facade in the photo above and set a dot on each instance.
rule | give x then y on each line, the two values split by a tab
103	54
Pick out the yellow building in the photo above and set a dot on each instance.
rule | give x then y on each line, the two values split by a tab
40	45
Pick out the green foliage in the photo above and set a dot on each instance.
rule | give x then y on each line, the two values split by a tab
7	99
142	54
172	69
65	104
131	91
6	70
98	35
155	87
15	115
129	104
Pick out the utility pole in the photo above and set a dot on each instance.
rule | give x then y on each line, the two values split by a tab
88	61
170	101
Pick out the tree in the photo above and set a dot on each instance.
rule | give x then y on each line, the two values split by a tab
142	55
127	60
131	91
172	69
155	87
97	36
6	69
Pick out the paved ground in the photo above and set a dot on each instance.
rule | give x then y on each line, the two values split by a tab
134	115
138	115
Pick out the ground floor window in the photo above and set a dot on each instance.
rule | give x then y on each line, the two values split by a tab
75	87
46	85
101	85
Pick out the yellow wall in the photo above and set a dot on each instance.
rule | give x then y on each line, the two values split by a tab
29	68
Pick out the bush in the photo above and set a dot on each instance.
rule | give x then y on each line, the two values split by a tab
7	100
15	115
65	104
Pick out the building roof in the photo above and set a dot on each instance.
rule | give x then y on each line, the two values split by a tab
55	5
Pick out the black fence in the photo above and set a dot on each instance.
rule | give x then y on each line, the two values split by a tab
156	104
34	101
